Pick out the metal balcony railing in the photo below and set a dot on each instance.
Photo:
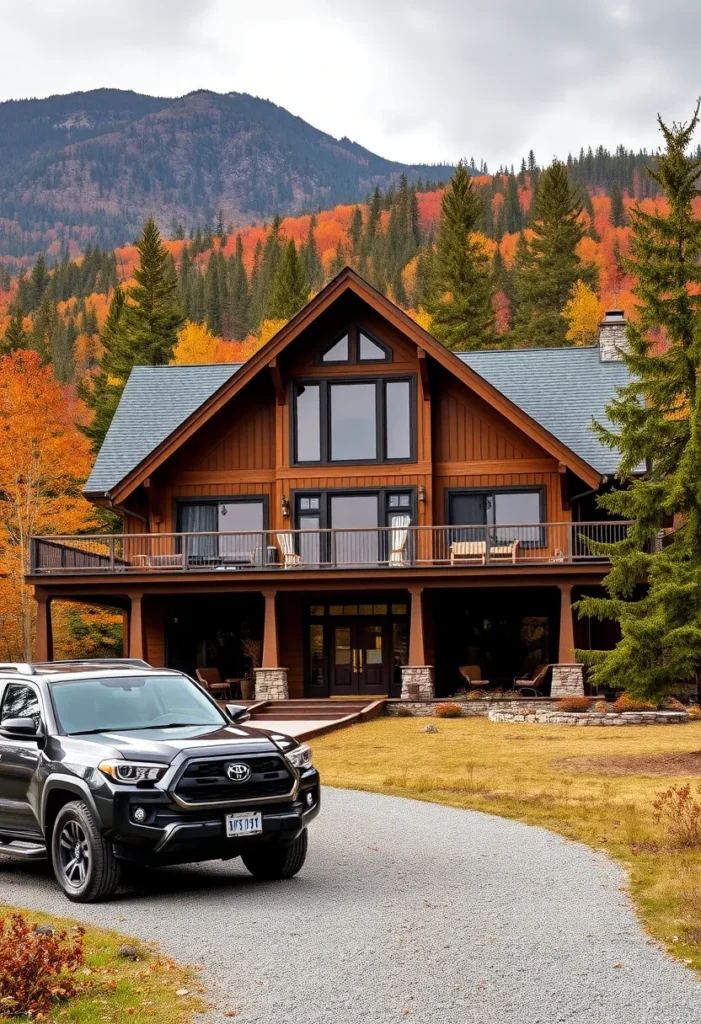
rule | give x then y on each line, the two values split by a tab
395	547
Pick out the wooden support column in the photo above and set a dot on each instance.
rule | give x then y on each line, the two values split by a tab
43	638
566	655
136	626
417	646
271	651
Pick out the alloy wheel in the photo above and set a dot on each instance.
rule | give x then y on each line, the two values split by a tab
74	854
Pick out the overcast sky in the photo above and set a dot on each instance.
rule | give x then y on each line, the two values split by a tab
415	80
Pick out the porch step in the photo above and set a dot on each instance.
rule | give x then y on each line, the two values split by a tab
312	710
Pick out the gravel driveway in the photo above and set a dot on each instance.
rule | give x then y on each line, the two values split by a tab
405	910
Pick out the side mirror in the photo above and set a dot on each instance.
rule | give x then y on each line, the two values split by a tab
238	713
20	728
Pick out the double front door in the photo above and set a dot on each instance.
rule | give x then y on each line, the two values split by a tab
360	658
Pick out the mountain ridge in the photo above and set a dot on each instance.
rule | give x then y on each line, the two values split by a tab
90	166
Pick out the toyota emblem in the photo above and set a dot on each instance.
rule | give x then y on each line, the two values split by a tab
238	772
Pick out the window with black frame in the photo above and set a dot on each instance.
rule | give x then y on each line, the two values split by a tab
229	531
346	421
500	516
355	528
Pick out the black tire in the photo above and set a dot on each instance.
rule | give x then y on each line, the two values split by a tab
275	863
84	864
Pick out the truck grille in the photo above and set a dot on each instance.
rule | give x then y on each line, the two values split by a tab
207	782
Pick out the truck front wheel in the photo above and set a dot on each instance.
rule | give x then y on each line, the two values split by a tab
276	863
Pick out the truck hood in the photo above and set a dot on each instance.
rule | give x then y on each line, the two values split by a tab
163	745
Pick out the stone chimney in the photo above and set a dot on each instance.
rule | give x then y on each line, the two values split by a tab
612	336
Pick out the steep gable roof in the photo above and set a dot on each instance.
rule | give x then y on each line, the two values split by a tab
162	406
563	389
155	401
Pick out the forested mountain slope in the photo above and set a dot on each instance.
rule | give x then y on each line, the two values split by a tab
90	166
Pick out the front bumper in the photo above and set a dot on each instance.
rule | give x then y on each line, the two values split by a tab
173	835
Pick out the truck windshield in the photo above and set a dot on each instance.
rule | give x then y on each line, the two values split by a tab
132	702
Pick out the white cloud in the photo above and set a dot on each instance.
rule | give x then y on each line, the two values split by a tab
417	80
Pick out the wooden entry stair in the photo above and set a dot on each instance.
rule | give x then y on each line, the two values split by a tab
334	714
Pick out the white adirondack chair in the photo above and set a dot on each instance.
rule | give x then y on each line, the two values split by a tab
287	547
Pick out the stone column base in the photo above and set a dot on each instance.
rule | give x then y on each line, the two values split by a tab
271	684
421	676
567	681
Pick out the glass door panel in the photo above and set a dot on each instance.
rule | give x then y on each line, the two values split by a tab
351	513
246	516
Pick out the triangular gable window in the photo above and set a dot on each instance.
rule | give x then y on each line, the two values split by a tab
338	353
369	349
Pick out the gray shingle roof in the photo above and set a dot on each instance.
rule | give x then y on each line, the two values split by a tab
156	400
563	389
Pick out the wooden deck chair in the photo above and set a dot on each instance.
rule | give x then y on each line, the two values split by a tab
398	536
472	674
287	547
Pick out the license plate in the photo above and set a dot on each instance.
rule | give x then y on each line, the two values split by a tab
244	823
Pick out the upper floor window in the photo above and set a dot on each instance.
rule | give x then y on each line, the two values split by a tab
356	345
357	420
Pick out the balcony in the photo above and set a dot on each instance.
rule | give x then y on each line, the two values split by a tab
395	547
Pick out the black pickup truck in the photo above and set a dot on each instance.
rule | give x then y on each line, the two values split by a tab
108	762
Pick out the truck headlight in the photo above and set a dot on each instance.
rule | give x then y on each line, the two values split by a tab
132	772
300	757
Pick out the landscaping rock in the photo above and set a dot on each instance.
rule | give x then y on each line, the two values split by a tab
43	929
430	728
128	952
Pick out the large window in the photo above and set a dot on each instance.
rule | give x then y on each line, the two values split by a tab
354	421
212	524
354	516
509	512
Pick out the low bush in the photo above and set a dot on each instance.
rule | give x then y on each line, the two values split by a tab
403	712
626	703
694	712
601	707
512	693
574	704
37	968
448	711
679	814
672	704
476	695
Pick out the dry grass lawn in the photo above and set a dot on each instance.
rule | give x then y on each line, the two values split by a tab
567	779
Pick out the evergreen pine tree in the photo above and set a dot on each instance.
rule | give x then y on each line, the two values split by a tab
618	213
339	260
39	279
657	423
462	291
290	290
311	259
152	315
240	300
548	266
355	234
15	336
101	393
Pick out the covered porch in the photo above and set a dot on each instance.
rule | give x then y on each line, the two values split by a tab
362	641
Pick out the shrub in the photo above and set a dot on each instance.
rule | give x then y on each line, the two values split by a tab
574	704
694	712
476	695
403	712
448	711
512	693
672	704
679	814
36	967
601	707
626	703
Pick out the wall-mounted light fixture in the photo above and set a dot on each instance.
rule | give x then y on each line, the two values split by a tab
422	493
285	503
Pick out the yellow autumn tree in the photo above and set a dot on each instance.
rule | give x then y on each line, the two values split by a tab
195	345
583	314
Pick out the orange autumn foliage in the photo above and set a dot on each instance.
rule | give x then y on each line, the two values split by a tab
44	460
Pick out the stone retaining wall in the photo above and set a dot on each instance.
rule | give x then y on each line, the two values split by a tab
471	708
590	717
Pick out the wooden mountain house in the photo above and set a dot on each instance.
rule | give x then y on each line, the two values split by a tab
353	510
